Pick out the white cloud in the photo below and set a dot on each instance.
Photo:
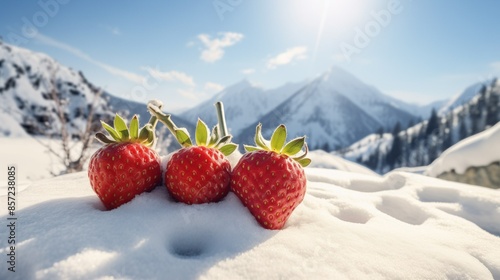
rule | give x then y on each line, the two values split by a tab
248	71
171	76
111	69
215	47
213	87
288	56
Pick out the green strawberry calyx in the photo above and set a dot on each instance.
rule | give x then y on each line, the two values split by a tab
218	138
279	145
120	133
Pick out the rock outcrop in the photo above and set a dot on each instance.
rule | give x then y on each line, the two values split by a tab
487	176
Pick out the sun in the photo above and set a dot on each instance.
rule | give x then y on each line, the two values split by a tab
321	17
344	12
334	13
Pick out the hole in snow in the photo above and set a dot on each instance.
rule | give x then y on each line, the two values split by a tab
188	244
187	250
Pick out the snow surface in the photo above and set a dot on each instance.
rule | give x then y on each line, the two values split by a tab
30	157
322	159
349	226
478	150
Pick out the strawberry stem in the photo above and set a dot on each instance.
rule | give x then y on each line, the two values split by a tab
157	114
221	118
154	120
181	134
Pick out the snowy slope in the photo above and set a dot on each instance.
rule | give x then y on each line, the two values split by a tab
349	226
363	149
244	104
478	150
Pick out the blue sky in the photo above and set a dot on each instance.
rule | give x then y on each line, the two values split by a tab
183	52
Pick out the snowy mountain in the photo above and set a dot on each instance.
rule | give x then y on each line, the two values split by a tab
333	110
349	226
422	143
244	104
31	86
382	108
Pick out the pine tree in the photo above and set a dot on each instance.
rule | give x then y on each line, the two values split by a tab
396	129
380	131
492	109
475	118
494	82
433	123
326	147
394	154
462	133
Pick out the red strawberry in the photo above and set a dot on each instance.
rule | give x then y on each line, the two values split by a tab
126	166
198	174
268	181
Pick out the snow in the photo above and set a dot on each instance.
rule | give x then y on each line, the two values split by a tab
349	226
367	146
478	150
322	159
32	158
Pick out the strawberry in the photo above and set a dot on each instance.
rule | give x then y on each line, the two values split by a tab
268	180
199	173
126	166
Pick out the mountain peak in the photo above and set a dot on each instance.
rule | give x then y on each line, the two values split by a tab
337	75
240	86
